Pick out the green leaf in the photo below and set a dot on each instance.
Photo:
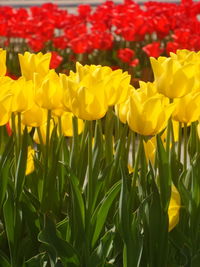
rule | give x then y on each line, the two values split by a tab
101	212
195	260
21	167
37	260
164	173
4	169
56	246
4	261
103	251
78	203
8	212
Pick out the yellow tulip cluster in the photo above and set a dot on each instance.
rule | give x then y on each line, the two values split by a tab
88	93
175	92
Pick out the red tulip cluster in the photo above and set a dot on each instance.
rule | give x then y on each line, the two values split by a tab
123	34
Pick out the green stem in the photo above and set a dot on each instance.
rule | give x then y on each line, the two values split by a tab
180	137
168	139
75	146
185	147
133	135
19	129
135	171
15	138
109	136
60	126
46	159
90	162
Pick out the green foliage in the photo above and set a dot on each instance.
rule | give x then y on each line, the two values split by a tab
81	206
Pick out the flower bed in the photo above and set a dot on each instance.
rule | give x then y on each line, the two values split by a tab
94	172
123	35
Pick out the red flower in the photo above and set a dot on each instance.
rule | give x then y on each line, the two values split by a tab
36	44
172	47
56	60
125	54
80	44
8	129
134	62
60	42
153	49
84	11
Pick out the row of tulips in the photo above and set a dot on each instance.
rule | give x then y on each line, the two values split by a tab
122	35
94	172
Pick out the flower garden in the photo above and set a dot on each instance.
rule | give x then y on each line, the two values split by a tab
100	136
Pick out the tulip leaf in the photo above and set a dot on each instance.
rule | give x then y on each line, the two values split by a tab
4	261
21	167
37	260
102	210
77	201
8	212
164	173
4	169
56	246
99	255
195	260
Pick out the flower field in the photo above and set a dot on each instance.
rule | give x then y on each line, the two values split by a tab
121	36
96	169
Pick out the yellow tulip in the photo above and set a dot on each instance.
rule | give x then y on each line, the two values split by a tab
174	207
198	130
15	126
43	129
2	62
86	92
66	123
173	79
122	108
117	87
185	57
151	145
58	112
48	91
187	108
150	149
34	117
5	99
30	162
23	95
130	169
31	63
148	115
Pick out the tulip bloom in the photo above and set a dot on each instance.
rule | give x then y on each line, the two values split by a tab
148	115
174	207
187	108
150	149
122	108
23	95
5	99
185	57
48	91
34	117
43	129
172	79
2	62
86	92
31	63
30	162
66	123
117	87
